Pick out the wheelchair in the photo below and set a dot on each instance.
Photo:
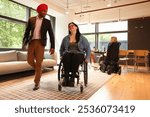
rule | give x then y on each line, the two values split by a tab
112	67
82	68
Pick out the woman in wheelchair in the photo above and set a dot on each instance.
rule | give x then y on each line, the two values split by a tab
74	50
110	64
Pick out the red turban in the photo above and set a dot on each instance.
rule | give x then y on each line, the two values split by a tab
42	7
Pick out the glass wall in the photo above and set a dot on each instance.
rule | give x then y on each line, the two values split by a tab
99	34
13	20
13	10
91	39
11	33
12	24
113	26
104	39
88	30
106	30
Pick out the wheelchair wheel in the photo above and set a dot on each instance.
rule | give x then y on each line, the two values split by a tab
60	71
59	87
109	69
102	69
60	76
119	71
109	72
81	88
85	74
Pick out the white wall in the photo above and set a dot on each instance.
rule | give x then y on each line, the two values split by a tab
61	31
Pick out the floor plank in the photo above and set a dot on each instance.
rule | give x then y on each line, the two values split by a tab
129	85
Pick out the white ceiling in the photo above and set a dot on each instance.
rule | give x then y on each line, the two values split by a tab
97	10
85	5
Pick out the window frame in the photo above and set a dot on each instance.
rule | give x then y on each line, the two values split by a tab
98	32
28	14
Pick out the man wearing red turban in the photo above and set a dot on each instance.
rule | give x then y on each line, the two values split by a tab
36	39
42	7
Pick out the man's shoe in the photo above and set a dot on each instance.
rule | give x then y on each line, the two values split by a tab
36	87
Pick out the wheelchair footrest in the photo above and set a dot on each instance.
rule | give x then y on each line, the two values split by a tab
68	84
62	75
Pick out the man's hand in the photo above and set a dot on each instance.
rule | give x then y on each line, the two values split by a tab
52	50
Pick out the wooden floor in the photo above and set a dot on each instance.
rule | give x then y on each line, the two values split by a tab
19	86
130	85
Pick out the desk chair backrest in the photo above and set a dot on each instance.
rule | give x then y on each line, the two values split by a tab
123	53
141	56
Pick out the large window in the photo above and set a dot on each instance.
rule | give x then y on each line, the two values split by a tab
13	10
91	39
13	19
99	34
104	39
106	30
11	33
113	26
87	28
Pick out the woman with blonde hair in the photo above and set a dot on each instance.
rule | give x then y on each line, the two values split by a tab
113	39
112	53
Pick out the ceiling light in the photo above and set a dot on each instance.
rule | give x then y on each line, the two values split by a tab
109	3
67	9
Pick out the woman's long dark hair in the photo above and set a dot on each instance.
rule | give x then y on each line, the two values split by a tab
77	33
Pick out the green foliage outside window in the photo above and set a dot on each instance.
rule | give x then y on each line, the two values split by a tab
13	10
12	30
33	13
11	34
